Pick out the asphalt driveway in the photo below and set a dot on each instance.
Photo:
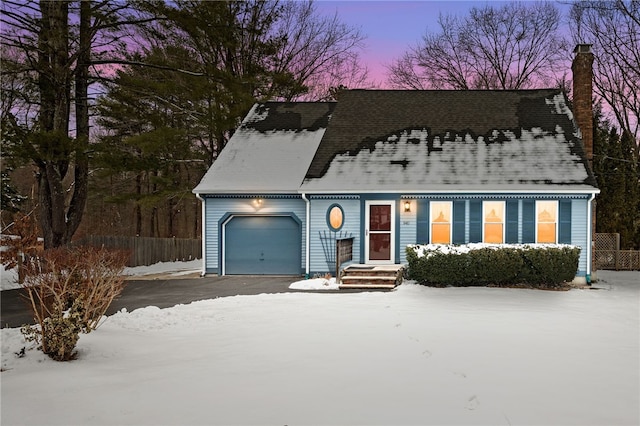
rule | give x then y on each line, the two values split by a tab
164	293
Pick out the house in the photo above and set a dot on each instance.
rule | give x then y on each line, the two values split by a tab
390	168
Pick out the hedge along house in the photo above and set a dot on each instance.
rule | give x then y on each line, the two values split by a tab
393	168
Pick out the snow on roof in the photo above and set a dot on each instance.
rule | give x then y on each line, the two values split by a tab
271	151
438	140
252	161
410	162
559	104
406	141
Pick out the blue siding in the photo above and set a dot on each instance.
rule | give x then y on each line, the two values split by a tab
318	227
520	221
579	235
412	227
467	215
408	229
218	208
214	210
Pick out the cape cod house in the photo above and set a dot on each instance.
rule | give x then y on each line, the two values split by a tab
390	168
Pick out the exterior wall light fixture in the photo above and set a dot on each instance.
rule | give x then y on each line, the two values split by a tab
407	206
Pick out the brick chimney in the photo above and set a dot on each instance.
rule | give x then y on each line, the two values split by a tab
582	68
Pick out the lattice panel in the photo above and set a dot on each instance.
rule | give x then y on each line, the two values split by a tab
607	241
604	259
627	260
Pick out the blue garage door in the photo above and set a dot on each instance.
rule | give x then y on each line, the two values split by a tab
263	245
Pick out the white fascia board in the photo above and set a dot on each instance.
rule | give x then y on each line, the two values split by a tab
565	190
247	192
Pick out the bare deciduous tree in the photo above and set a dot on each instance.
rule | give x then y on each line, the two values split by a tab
514	46
319	52
613	27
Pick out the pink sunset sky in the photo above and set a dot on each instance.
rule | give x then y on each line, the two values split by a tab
391	27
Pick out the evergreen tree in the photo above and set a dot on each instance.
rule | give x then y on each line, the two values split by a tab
11	198
255	50
617	173
148	157
630	232
197	72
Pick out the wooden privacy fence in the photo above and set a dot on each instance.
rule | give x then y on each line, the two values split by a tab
148	250
607	254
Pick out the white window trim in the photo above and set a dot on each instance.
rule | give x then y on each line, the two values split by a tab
504	218
431	215
392	245
557	222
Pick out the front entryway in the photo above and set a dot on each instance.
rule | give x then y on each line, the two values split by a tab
379	232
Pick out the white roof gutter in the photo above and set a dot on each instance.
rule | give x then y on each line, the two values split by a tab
307	235
202	250
590	237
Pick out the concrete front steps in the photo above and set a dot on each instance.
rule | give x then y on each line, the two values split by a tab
371	276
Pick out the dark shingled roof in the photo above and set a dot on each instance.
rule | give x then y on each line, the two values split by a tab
363	117
295	116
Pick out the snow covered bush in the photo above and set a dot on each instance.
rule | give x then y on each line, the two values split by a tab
541	265
69	290
58	334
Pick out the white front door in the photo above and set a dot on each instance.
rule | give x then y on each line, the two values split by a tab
379	232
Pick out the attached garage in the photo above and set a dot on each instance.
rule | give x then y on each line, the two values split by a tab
262	245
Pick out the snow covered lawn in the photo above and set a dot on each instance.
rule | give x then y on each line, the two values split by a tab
416	355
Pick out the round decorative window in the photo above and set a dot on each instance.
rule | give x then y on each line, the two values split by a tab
335	217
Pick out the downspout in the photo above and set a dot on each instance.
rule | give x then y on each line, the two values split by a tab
590	238
307	233
204	262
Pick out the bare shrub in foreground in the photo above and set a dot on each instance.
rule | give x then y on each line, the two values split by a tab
69	290
21	246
